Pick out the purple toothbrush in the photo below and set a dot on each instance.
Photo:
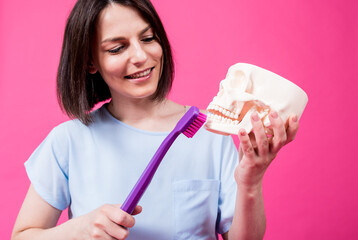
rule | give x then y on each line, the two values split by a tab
189	124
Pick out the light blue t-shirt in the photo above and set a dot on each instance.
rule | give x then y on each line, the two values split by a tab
192	194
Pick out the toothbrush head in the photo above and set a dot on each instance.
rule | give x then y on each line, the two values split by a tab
191	122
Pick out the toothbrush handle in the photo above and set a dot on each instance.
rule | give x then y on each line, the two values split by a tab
147	175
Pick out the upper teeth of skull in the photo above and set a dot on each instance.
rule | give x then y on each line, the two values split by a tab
141	74
223	111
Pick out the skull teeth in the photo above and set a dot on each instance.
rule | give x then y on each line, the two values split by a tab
222	115
221	119
224	111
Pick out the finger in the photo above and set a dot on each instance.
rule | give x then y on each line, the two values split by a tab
245	144
292	128
99	233
137	210
113	230
253	140
241	152
116	231
279	132
120	217
260	135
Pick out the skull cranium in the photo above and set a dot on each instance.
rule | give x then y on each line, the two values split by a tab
248	88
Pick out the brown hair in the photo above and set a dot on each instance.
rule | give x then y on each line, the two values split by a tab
77	90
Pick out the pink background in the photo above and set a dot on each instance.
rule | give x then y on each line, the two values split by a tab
310	190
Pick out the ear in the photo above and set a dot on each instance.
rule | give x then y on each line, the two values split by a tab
92	69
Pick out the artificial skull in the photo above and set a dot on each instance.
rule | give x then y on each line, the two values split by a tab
246	89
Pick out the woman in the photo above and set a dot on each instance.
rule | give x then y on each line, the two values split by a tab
118	51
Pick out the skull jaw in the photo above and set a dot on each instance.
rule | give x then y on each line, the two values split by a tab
223	128
214	129
220	128
222	125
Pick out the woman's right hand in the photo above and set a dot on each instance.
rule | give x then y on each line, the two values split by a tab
37	219
106	222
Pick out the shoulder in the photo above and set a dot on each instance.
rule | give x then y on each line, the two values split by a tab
70	126
74	127
98	116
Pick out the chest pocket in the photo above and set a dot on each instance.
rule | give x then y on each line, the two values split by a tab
195	209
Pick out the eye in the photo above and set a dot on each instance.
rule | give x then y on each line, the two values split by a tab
116	50
148	39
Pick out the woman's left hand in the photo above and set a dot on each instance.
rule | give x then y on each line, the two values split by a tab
258	150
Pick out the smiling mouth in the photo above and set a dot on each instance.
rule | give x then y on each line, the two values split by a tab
140	74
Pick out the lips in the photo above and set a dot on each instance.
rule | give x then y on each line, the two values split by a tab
140	74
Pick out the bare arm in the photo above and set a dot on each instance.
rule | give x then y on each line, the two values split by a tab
256	154
249	220
34	217
37	220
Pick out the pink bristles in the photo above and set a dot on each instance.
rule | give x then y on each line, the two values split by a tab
195	125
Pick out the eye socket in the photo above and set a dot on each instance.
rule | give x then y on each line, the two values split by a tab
238	80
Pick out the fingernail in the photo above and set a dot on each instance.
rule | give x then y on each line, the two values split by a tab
255	116
274	115
294	118
242	132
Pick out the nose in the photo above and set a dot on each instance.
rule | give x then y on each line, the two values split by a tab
138	55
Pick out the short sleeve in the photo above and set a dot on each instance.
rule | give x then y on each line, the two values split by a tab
47	169
228	187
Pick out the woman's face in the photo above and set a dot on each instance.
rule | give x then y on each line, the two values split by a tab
126	53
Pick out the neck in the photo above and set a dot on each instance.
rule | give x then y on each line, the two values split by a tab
134	111
147	114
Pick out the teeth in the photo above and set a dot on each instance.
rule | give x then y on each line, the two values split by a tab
141	74
220	119
226	116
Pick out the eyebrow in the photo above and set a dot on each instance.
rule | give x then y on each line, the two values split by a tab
115	39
